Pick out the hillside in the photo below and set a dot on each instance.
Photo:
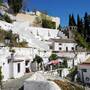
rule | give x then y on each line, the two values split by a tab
14	39
65	85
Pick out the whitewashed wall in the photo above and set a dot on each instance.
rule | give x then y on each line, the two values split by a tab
85	74
22	69
63	46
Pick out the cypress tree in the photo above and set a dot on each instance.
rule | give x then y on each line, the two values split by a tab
79	25
86	26
15	5
72	20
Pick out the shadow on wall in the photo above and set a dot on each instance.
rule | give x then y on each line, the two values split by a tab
22	88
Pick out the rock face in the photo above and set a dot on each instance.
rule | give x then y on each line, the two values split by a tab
39	82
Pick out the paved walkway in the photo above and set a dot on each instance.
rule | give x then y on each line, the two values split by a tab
87	88
15	84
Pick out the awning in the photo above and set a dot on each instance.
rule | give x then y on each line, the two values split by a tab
54	62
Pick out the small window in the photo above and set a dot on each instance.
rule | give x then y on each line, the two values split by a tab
18	67
66	49
51	47
87	79
60	48
26	63
84	70
73	48
60	44
9	60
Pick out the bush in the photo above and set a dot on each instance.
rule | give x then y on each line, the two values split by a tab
72	73
48	24
23	44
14	39
38	59
7	18
64	64
80	40
53	57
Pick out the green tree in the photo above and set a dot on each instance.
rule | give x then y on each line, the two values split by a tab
16	5
80	25
48	24
7	18
38	59
80	40
87	27
53	57
73	72
72	20
1	1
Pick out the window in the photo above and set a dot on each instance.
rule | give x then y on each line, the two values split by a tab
60	44
66	49
60	48
72	48
84	70
87	79
18	67
26	63
51	47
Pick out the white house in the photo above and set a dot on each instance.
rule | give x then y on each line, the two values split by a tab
15	64
67	48
84	71
64	45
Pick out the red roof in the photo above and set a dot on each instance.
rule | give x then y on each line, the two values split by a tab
54	62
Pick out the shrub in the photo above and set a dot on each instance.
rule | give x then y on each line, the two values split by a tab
7	18
53	57
48	24
38	59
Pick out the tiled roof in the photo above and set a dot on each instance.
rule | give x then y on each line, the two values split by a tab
63	40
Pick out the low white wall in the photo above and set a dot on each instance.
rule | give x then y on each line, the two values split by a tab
22	69
85	74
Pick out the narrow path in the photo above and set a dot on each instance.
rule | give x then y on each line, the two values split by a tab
15	84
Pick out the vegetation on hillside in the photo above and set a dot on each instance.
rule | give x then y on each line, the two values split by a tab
65	85
47	21
82	34
48	24
80	40
11	40
71	75
6	18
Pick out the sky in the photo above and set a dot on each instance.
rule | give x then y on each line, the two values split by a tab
60	8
